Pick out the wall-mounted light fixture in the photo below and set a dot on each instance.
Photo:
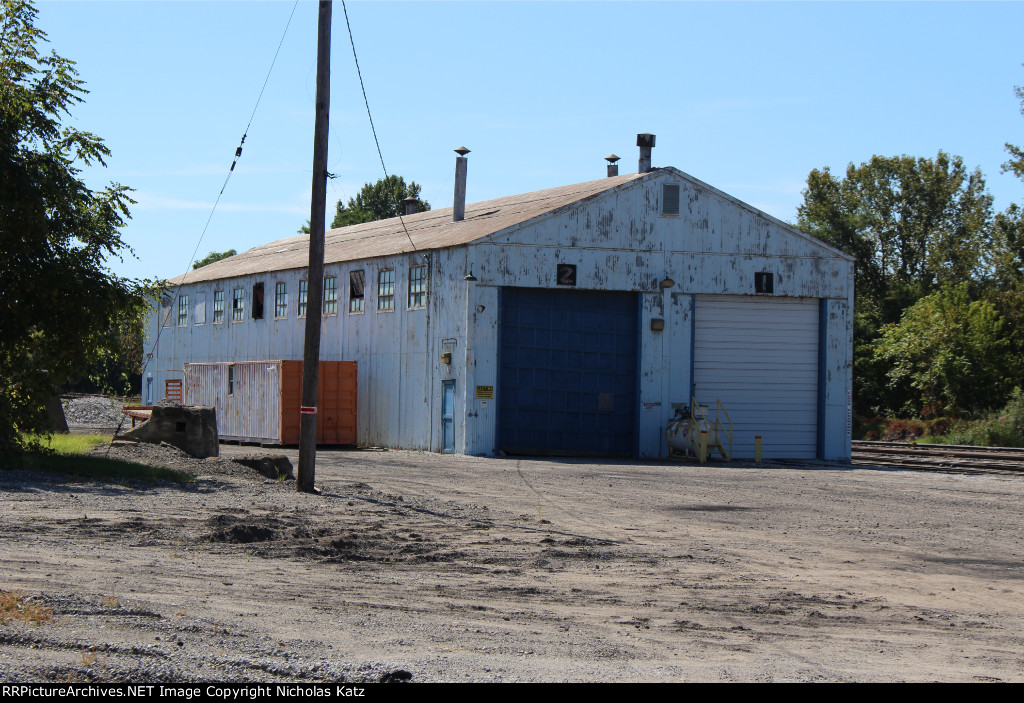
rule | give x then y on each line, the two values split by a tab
469	276
667	283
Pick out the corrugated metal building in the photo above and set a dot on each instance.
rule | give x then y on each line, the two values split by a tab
568	320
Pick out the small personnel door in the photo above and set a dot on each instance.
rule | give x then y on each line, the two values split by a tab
448	417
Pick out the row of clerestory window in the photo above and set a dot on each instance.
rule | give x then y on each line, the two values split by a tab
417	298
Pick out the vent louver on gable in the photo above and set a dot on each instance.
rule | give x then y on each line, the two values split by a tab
670	199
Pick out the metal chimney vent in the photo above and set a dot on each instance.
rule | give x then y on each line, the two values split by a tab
461	165
646	142
613	168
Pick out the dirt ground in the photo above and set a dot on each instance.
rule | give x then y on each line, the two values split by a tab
456	568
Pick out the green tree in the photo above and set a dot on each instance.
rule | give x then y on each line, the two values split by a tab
948	350
915	225
58	302
384	199
1006	288
1015	164
116	367
376	201
1008	249
212	257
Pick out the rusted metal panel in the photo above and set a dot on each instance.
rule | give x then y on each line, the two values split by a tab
337	394
172	390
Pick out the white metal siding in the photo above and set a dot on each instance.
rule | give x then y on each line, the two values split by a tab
760	357
252	413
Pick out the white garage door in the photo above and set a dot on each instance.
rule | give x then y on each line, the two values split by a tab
760	357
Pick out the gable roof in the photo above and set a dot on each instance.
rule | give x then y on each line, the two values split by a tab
433	229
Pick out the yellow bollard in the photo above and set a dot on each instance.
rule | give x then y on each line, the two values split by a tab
703	446
757	448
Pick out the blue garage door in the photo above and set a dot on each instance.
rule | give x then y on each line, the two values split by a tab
568	372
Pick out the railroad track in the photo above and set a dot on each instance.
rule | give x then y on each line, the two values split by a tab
939	457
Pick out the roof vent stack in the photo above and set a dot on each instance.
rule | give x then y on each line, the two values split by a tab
461	164
410	205
613	168
646	142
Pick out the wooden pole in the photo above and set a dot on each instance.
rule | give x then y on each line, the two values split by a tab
317	226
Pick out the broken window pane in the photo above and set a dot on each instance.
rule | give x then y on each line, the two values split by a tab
356	282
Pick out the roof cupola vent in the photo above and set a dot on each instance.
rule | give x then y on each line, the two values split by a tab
613	168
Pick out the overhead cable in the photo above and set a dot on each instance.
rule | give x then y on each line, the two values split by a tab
372	128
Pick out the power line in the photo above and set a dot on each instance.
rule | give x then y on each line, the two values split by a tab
372	128
245	133
231	170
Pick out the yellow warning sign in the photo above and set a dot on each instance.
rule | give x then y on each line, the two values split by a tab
485	392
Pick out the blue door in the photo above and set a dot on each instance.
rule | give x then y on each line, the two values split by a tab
568	372
448	417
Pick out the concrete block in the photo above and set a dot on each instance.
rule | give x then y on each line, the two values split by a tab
191	428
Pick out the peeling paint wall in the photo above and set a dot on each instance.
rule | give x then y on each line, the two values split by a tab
620	241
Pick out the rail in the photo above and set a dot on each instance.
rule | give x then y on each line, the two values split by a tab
939	457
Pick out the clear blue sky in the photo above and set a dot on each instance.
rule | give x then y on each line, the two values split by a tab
747	96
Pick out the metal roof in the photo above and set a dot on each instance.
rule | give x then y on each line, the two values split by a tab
428	230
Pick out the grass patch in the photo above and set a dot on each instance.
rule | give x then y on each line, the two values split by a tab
987	432
67	454
91	466
14	607
68	443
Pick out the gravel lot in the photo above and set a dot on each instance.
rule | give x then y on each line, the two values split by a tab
94	413
459	568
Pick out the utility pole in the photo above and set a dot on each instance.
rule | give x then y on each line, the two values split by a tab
315	278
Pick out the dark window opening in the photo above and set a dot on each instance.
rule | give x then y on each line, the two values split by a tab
166	302
257	301
764	282
238	305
